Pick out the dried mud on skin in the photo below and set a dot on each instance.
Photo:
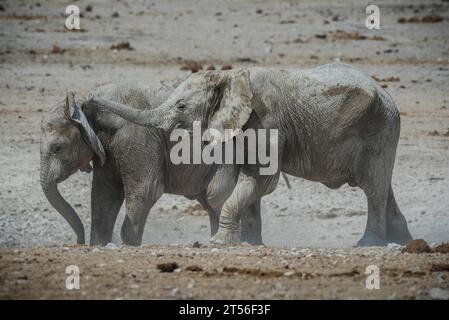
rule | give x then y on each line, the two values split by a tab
177	272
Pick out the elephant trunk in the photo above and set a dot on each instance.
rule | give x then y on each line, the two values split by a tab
146	118
63	207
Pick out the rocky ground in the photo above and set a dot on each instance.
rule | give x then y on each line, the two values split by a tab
40	60
242	272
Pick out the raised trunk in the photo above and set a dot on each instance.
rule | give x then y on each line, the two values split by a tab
57	201
146	118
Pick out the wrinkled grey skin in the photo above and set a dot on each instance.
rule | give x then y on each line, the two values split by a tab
136	168
336	126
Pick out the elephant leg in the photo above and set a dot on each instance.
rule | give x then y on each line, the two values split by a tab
214	220
376	186
251	225
251	220
138	204
213	215
376	227
397	230
106	201
219	189
243	195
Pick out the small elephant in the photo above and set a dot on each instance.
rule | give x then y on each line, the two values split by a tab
129	162
335	125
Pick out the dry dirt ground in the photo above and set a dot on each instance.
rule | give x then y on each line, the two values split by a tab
242	272
40	60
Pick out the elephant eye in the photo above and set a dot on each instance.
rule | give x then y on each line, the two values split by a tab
181	106
56	148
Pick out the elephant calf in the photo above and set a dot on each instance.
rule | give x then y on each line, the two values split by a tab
129	162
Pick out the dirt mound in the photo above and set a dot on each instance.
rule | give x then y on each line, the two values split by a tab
417	246
442	248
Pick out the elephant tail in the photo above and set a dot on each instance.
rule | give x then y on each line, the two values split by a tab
286	180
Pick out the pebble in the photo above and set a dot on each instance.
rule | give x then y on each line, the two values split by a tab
174	291
215	250
111	245
191	284
394	246
438	293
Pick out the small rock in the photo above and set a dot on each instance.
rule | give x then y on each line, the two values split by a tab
439	267
174	291
193	66
196	244
88	8
289	273
191	284
168	267
438	293
441	248
125	45
416	246
226	67
56	49
215	250
194	268
115	14
269	49
111	245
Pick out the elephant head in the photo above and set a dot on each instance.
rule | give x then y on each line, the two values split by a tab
68	144
218	99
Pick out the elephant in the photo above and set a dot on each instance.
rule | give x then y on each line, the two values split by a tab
335	126
130	163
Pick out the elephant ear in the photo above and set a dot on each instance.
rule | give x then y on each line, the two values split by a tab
74	113
233	106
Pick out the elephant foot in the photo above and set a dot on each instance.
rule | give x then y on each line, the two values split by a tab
398	232
96	240
131	240
401	239
80	240
252	239
372	239
226	237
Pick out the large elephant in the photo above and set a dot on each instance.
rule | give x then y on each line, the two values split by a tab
335	125
129	162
